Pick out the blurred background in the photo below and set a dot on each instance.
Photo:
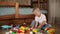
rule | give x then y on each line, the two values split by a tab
9	11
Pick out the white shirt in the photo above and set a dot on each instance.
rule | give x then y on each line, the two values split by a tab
40	19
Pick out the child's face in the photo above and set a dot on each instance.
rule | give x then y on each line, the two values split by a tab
36	12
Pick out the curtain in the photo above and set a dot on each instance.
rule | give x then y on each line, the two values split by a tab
54	11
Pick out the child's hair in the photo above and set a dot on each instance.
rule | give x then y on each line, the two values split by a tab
35	9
